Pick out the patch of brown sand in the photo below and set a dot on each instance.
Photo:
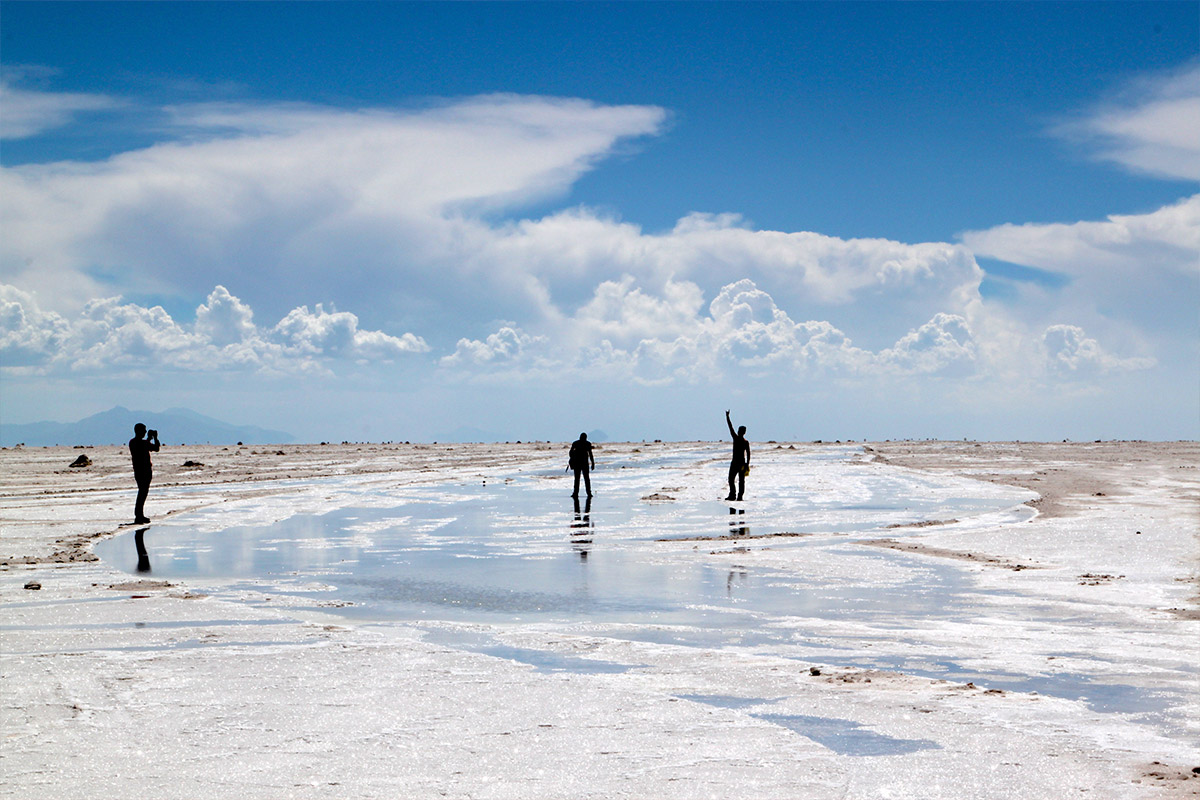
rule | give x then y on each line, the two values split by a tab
1185	779
735	537
941	552
928	523
1068	476
140	586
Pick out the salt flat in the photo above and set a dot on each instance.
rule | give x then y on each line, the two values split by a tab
1042	643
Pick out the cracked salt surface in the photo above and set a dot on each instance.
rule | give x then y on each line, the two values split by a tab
778	575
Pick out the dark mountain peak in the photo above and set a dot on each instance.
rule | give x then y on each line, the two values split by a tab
115	426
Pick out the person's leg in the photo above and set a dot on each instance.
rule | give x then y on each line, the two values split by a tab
587	481
732	473
741	482
143	484
576	492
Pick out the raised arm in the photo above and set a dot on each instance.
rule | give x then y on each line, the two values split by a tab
591	458
729	422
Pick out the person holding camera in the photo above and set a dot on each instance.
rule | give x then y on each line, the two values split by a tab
140	450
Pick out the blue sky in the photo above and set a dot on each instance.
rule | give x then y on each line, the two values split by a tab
841	219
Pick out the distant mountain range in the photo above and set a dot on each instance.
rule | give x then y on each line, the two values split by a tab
115	426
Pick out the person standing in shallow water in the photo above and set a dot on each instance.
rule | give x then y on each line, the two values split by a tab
140	450
582	461
740	464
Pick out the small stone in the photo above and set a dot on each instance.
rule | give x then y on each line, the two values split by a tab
33	585
814	671
82	461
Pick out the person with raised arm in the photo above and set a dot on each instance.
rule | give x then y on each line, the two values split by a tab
739	466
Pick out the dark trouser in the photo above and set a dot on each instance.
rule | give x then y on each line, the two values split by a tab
738	471
587	482
143	484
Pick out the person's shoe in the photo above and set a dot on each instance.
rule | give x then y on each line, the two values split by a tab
589	494
730	498
575	496
141	521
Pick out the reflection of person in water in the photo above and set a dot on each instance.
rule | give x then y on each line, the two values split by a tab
582	461
581	528
143	555
737	576
740	464
737	521
140	450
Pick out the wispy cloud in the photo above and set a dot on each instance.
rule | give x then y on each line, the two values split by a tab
28	112
278	196
1150	125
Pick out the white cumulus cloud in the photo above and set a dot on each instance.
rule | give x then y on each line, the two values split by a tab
112	336
336	333
508	347
945	345
1070	352
391	213
28	335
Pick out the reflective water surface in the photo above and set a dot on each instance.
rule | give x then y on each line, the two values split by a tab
523	549
646	559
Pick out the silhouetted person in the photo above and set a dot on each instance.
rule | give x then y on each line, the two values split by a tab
143	555
582	461
740	465
140	450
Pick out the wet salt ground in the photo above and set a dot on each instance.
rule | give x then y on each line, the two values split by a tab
521	550
683	572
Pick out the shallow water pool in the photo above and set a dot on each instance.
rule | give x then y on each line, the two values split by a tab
521	549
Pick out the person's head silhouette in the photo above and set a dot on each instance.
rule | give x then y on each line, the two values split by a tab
583	437
741	430
140	430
